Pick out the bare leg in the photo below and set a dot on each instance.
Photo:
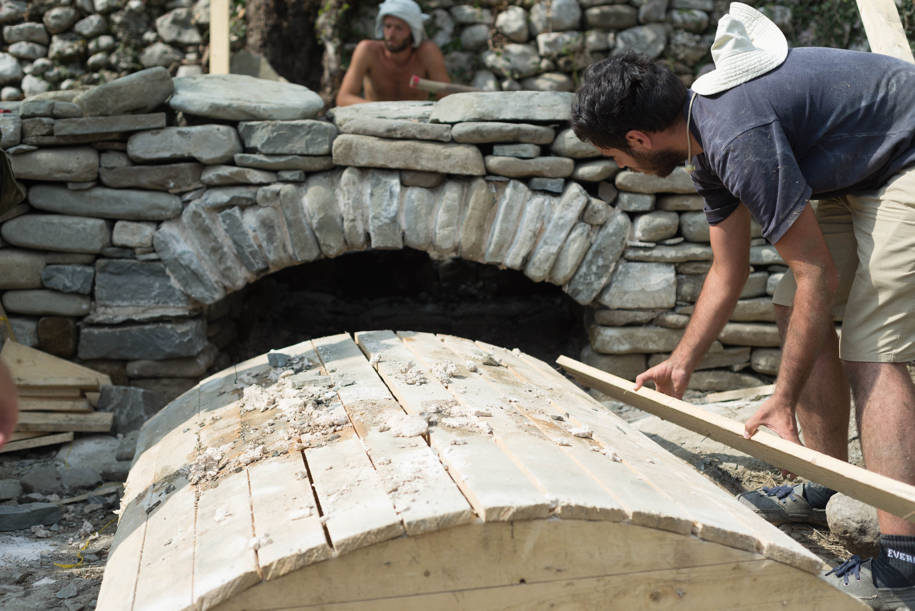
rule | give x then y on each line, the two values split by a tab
823	410
885	407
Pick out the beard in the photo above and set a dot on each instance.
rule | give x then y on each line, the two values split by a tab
660	163
397	48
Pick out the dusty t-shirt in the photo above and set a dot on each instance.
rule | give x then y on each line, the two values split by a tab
827	121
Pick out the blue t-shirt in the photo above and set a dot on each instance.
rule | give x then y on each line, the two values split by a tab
825	122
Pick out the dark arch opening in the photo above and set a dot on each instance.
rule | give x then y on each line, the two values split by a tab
406	290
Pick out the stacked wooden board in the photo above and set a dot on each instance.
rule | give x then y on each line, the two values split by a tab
416	471
56	398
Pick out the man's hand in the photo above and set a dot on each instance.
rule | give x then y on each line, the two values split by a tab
668	378
776	415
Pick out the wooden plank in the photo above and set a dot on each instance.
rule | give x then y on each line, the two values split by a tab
286	519
424	495
31	367
44	392
36	442
219	37
120	578
63	421
872	488
491	482
884	29
48	404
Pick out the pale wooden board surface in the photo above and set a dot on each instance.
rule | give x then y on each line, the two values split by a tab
424	495
219	37
38	441
46	392
64	421
494	485
884	29
31	367
633	566
880	491
37	404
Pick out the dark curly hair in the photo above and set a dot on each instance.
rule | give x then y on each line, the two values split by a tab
622	93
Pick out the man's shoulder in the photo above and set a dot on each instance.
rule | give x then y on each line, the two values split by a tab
428	47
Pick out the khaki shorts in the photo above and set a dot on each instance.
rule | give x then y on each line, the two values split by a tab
872	240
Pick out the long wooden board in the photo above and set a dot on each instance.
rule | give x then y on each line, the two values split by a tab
98	422
884	29
31	367
36	442
878	490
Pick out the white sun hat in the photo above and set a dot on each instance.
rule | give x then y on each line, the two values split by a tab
407	10
747	44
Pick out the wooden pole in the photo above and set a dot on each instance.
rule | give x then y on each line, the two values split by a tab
219	36
884	29
878	490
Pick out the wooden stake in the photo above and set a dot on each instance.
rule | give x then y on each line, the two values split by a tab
878	490
884	29
219	36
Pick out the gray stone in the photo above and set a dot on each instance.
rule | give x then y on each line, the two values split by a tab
476	132
159	54
599	263
10	489
678	182
133	235
703	5
671	254
717	380
397	129
635	202
418	216
567	144
607	192
28	32
504	106
765	255
564	216
548	81
621	318
141	91
214	245
570	256
323	214
691	20
178	26
750	334
509	208
766	361
475	228
10	70
442	25
554	44
32	85
648	40
20	269
57	233
551	185
655	226
135	284
207	144
716	357
67	48
25	330
612	17
68	278
637	285
221	175
447	225
549	167
694	226
247	249
13	10
534	214
184	265
772	283
368	151
76	477
10	130
81	126
238	97
127	204
521	151
60	19
18	517
267	225
512	22
633	340
595	171
285	162
688	287
428	180
173	177
301	237
406	110
304	137
91	26
41	302
755	286
354	195
759	309
223	197
131	406
146	341
513	60
475	37
383	206
467	14
653	11
43	479
128	444
63	164
626	366
555	16
597	212
28	50
854	524
694	267
599	40
290	176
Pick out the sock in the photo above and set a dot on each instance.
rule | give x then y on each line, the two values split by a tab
817	495
894	566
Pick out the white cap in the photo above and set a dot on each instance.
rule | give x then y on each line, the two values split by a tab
407	10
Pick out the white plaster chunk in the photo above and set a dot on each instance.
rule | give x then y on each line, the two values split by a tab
384	206
240	97
571	254
565	215
534	214
368	151
475	229
598	265
130	234
637	285
508	214
655	226
76	164
633	340
519	106
354	199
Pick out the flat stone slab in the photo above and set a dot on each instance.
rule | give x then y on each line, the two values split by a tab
549	167
481	132
504	106
17	517
57	232
368	151
127	204
41	302
138	92
401	129
206	143
405	110
239	97
153	341
171	177
20	269
123	282
108	125
304	137
78	164
304	163
637	182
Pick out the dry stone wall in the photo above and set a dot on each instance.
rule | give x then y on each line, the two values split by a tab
152	200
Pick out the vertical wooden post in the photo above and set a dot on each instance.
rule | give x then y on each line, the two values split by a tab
884	28
219	36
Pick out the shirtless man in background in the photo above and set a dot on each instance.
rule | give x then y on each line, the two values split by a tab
381	69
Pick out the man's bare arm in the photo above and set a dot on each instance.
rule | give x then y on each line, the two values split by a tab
351	88
432	58
804	250
725	281
9	409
